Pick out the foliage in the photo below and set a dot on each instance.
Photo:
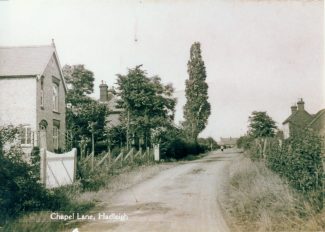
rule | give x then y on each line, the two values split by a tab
147	103
257	199
208	143
197	108
18	180
245	142
116	136
83	111
80	80
36	161
261	125
82	115
7	135
299	161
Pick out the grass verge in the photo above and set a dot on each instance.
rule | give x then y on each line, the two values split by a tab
78	201
256	199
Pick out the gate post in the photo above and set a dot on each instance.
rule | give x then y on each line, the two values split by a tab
156	152
74	152
43	166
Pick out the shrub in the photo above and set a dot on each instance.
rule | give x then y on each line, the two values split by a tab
298	160
18	181
21	191
245	142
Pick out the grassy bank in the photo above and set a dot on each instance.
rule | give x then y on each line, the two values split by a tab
256	199
82	202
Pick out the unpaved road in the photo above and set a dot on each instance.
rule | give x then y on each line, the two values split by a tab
182	198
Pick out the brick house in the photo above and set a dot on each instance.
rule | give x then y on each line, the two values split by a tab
32	94
300	119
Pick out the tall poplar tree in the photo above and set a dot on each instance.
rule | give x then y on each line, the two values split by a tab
197	108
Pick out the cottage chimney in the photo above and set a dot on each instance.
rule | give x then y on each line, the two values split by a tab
301	105
103	97
111	93
293	109
53	43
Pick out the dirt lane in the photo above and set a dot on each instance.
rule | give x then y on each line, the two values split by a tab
183	198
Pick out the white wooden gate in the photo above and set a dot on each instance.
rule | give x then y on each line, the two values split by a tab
58	169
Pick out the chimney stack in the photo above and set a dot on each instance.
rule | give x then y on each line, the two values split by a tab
293	109
103	89
301	105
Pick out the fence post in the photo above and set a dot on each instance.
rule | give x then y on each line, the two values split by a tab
122	157
108	158
74	151
132	156
148	154
43	166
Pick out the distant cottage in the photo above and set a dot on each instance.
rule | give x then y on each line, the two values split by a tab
32	94
228	142
300	119
109	97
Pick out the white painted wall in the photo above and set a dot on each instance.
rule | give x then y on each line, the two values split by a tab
18	101
286	131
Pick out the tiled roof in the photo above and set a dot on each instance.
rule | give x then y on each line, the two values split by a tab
20	61
290	117
112	104
316	117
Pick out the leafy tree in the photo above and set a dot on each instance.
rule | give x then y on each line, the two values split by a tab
147	102
261	125
197	108
208	143
80	80
7	135
83	111
244	142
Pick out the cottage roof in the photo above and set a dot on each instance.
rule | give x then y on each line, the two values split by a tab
228	141
296	115
26	61
112	104
289	119
317	117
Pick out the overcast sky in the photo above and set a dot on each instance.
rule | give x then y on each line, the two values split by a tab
259	55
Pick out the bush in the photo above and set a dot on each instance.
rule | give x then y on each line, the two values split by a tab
245	142
21	190
179	148
298	160
18	181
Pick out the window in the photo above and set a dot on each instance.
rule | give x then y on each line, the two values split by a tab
55	97
42	92
26	136
55	137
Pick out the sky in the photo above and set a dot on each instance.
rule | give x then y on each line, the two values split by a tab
259	55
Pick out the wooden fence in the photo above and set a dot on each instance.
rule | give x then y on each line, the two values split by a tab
123	158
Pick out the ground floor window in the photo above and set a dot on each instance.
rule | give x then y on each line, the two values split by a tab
55	137
26	135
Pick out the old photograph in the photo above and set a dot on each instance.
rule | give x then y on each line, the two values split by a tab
162	115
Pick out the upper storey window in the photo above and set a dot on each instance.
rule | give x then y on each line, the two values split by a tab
55	98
